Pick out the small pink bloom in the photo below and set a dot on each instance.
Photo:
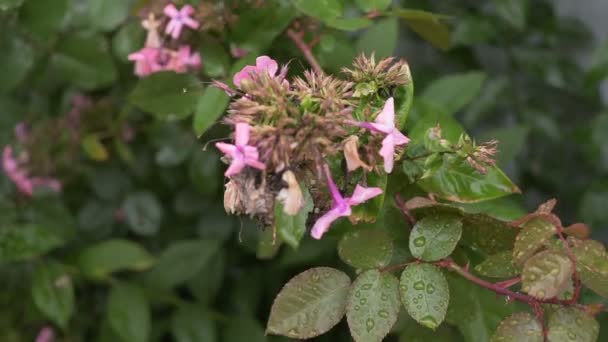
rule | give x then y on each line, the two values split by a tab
146	61
341	206
19	176
46	334
179	19
385	123
183	60
238	52
262	64
241	153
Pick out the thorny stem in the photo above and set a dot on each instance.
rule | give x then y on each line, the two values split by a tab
297	38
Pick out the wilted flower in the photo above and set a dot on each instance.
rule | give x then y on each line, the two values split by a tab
385	123
291	196
351	154
179	19
241	153
262	64
341	207
151	25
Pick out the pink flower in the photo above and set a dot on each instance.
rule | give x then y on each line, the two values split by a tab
241	154
183	60
385	123
46	334
341	206
22	131
146	61
179	19
262	64
18	175
238	52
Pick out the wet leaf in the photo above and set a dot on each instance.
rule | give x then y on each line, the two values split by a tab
519	327
435	237
425	294
533	235
499	265
368	248
571	324
592	265
310	304
373	305
546	274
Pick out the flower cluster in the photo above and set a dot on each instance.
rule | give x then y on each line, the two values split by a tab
316	129
157	53
15	167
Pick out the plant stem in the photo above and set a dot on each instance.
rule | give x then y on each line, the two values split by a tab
296	37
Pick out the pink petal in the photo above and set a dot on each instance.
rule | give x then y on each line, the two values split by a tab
191	23
399	138
46	334
235	167
322	225
241	136
255	164
387	115
227	149
186	11
171	11
362	194
265	63
388	152
376	127
333	189
244	74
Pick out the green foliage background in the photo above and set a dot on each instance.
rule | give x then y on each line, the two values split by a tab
176	267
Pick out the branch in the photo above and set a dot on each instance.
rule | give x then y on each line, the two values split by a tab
296	37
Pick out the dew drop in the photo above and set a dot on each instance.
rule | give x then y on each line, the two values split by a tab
419	285
384	297
358	294
363	301
571	335
316	277
429	322
430	289
370	324
292	332
366	286
383	313
419	241
357	307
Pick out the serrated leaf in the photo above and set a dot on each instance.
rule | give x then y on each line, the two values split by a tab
435	237
499	265
428	25
572	324
519	327
143	212
291	228
546	274
53	292
192	324
592	265
533	235
24	242
373	305
128	313
310	304
167	95
209	108
181	261
110	256
425	294
453	92
368	248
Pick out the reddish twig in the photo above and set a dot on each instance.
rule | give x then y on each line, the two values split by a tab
401	205
297	38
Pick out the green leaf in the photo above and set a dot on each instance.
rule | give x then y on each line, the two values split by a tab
85	61
519	327
207	283
454	92
572	324
334	51
94	148
44	18
241	329
291	228
592	265
546	274
128	313
532	236
53	292
320	9
373	5
373	305
380	39
256	30
513	12
425	294
6	5
107	15
209	108
310	304
216	59
204	171
143	212
192	324
435	237
167	95
99	261
128	39
181	261
428	25
268	244
25	242
17	59
511	141
349	24
499	265
367	248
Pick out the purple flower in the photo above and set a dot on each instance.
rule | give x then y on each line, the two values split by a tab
46	334
341	206
385	123
179	19
241	153
262	64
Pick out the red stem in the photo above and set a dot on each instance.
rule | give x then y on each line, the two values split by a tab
296	37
